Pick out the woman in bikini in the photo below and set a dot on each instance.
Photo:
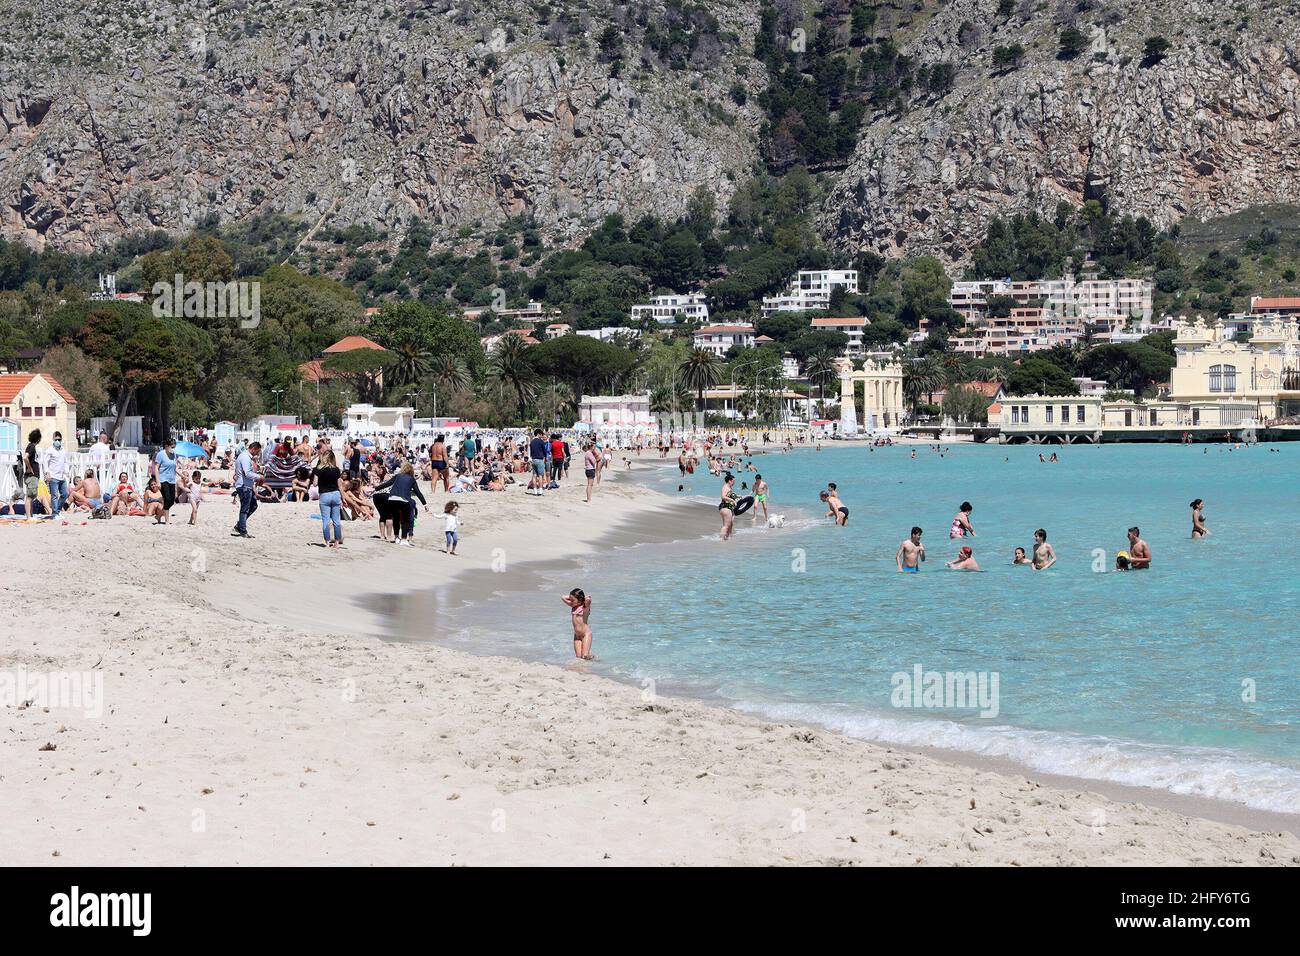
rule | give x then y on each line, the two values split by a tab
1198	520
125	497
153	501
580	611
961	525
727	506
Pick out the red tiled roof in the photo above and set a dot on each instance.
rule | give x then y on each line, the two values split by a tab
352	343
11	385
1281	302
313	371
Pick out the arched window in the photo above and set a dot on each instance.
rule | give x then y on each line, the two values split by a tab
1229	378
1216	378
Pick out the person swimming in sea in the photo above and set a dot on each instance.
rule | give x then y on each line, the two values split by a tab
579	605
1121	561
1139	552
965	560
1198	520
910	553
727	506
760	495
961	525
834	507
1044	553
1020	557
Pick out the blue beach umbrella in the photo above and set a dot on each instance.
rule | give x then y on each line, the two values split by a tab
187	449
368	443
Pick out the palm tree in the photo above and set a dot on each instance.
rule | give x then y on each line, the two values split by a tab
820	370
954	368
922	377
994	373
701	370
510	370
411	364
451	373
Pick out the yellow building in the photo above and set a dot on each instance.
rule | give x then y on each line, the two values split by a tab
1263	372
38	401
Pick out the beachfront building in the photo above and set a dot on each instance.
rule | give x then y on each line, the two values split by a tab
718	339
1038	418
810	291
1287	306
621	410
664	309
1263	372
37	400
882	395
726	399
364	419
852	326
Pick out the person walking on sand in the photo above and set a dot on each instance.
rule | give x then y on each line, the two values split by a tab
326	474
961	525
590	467
910	553
438	462
580	611
1198	520
165	471
1044	553
246	480
451	526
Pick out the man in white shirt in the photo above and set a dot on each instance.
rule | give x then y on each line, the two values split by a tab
55	466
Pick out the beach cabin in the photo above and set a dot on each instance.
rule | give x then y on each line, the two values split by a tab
37	400
363	419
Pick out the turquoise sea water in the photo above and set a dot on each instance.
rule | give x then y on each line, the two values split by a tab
1184	677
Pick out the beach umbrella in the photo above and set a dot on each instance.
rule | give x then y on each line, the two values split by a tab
187	449
368	443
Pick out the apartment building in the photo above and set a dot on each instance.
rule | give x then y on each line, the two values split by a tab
665	308
852	326
810	291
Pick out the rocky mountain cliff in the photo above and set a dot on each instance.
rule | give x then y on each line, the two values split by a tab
1209	128
157	114
161	114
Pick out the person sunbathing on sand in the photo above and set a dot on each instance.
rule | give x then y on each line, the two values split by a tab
356	504
153	501
125	497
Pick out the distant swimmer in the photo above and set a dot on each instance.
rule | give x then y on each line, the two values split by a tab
1139	552
1020	557
910	553
1044	553
834	507
1198	520
961	525
965	560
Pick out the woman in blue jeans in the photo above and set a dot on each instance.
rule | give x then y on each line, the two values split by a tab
326	475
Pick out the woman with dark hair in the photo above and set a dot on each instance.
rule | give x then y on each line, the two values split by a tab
961	525
727	506
1198	520
579	605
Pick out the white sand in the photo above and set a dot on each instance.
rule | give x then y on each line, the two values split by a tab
227	740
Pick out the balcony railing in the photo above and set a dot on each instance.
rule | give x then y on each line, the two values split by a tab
1291	380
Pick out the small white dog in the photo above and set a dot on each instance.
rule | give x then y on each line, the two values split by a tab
776	521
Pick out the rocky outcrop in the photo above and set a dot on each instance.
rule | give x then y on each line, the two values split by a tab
154	114
1209	129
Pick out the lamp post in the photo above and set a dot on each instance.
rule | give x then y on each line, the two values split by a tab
277	392
416	395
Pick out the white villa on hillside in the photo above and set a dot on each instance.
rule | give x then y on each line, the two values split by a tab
852	326
665	308
719	338
810	291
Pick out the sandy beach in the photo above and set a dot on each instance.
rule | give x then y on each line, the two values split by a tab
251	715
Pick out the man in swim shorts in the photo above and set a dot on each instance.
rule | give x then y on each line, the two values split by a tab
834	507
1139	552
910	553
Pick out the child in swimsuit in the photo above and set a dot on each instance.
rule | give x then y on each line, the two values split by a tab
961	522
580	611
